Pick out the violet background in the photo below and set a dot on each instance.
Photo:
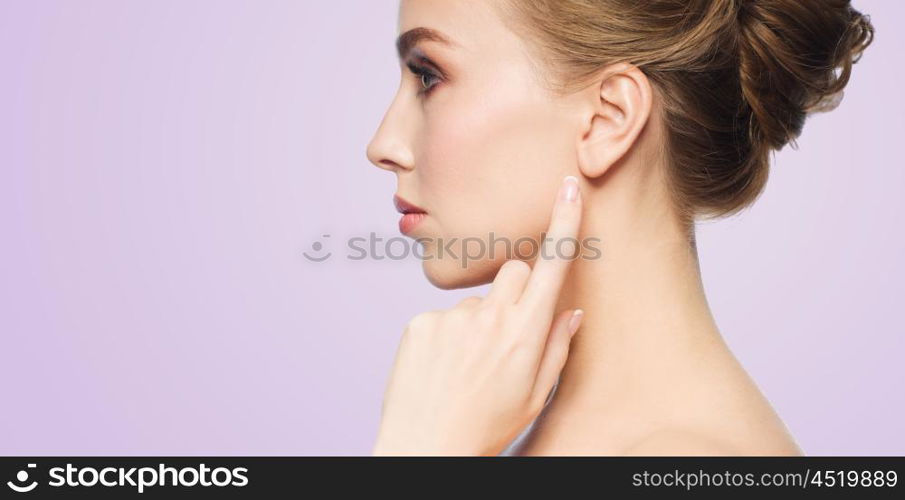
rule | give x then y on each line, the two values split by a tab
166	163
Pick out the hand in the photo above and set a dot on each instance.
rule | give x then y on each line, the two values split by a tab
467	380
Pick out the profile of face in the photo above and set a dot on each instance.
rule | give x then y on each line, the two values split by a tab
475	139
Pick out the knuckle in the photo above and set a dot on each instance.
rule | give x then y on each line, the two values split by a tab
470	301
516	267
458	315
516	264
421	322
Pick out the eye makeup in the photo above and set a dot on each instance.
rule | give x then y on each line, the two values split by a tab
421	66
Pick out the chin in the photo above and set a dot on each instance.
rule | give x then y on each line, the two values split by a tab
449	274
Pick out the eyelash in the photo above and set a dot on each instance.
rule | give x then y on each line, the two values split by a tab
423	72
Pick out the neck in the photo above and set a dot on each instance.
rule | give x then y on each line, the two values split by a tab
646	315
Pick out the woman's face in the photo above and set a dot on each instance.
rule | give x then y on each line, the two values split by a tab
476	140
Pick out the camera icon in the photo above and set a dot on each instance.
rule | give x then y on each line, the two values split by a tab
22	477
317	246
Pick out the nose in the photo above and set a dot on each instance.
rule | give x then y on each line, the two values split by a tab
389	148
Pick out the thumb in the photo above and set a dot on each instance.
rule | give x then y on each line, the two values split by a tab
555	354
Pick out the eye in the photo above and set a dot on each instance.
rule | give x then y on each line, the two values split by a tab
426	75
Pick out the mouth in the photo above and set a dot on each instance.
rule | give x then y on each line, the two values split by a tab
412	214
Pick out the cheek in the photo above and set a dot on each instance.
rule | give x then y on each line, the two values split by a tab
493	162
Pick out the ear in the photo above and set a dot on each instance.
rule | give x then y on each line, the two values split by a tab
619	104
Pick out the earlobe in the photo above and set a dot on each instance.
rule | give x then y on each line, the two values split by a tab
620	109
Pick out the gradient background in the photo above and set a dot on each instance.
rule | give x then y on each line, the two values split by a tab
166	163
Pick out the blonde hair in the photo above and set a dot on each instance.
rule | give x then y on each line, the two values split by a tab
736	78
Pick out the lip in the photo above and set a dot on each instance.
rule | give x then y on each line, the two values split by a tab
412	214
404	207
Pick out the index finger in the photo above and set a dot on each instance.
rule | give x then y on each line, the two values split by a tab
558	249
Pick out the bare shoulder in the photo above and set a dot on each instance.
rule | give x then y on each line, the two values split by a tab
679	442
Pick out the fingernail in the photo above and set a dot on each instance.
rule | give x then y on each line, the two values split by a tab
569	190
575	321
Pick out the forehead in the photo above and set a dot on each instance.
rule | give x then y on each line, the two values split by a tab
472	25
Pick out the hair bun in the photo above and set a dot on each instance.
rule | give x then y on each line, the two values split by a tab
789	52
734	79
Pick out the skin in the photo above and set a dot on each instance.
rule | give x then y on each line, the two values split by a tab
648	372
468	379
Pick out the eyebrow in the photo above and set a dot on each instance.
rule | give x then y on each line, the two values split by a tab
407	41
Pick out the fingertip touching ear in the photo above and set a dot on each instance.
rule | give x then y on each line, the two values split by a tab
620	105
